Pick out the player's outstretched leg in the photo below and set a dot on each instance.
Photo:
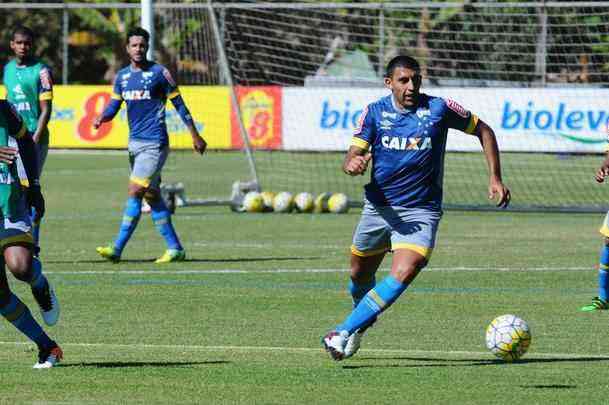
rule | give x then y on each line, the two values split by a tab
602	301
162	220
131	217
35	231
44	294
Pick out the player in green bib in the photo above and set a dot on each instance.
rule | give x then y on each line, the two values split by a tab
29	88
16	242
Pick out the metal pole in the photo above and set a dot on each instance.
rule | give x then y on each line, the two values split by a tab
381	54
148	24
65	49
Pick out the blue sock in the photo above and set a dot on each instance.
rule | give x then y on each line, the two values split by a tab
162	220
35	228
38	281
20	316
359	290
374	302
131	216
603	274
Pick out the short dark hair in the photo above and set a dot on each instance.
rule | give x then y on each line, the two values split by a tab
24	31
138	32
402	61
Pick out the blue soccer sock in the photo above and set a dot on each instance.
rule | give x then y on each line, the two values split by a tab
35	227
20	316
131	216
359	290
603	274
374	302
162	220
38	280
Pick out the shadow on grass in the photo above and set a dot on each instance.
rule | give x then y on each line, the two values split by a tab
135	364
193	260
440	362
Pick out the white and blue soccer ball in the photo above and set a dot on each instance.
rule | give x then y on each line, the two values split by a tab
304	202
338	203
508	337
283	202
253	202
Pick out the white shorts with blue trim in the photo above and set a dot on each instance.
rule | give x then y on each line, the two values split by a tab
385	228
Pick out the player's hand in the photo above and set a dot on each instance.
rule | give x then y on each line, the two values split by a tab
97	122
8	154
601	173
36	201
358	164
497	190
199	144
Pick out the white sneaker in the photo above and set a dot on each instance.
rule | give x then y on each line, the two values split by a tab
334	343
353	343
48	358
48	303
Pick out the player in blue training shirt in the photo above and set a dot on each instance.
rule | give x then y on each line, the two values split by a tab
601	302
145	87
404	136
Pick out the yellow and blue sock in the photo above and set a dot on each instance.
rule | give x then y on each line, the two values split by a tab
131	216
374	302
38	280
20	316
162	220
603	274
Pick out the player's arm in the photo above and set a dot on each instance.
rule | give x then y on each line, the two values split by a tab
358	156
198	142
496	188
112	108
603	171
45	101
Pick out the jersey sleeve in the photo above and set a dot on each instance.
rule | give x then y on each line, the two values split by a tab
16	126
364	134
45	84
116	89
170	87
459	118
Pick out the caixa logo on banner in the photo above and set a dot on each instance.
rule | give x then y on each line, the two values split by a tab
575	124
339	117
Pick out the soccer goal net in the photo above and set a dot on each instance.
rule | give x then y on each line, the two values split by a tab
301	73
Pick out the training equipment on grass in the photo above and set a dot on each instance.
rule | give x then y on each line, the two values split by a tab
321	203
253	202
283	202
267	198
303	202
338	203
508	337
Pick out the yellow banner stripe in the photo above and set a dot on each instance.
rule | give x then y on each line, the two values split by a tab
368	253
422	250
360	143
473	122
47	95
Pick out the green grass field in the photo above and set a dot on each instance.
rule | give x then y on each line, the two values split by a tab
241	320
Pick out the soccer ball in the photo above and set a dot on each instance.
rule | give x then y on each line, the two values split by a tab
283	202
338	203
321	202
508	337
253	202
267	198
304	202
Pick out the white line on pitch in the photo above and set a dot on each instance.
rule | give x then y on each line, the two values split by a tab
306	350
275	271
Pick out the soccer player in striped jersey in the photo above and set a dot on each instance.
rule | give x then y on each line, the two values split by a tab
29	88
403	136
601	302
145	87
16	242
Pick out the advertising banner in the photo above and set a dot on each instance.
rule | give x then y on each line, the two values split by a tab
261	114
531	120
75	108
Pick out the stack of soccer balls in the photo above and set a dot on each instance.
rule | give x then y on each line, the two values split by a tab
285	202
508	337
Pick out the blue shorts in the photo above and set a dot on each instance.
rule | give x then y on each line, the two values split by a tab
386	228
147	160
16	229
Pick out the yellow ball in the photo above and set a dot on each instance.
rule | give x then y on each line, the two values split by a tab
338	203
283	202
253	202
304	202
267	197
321	202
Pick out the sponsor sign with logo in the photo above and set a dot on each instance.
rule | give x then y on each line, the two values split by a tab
261	114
